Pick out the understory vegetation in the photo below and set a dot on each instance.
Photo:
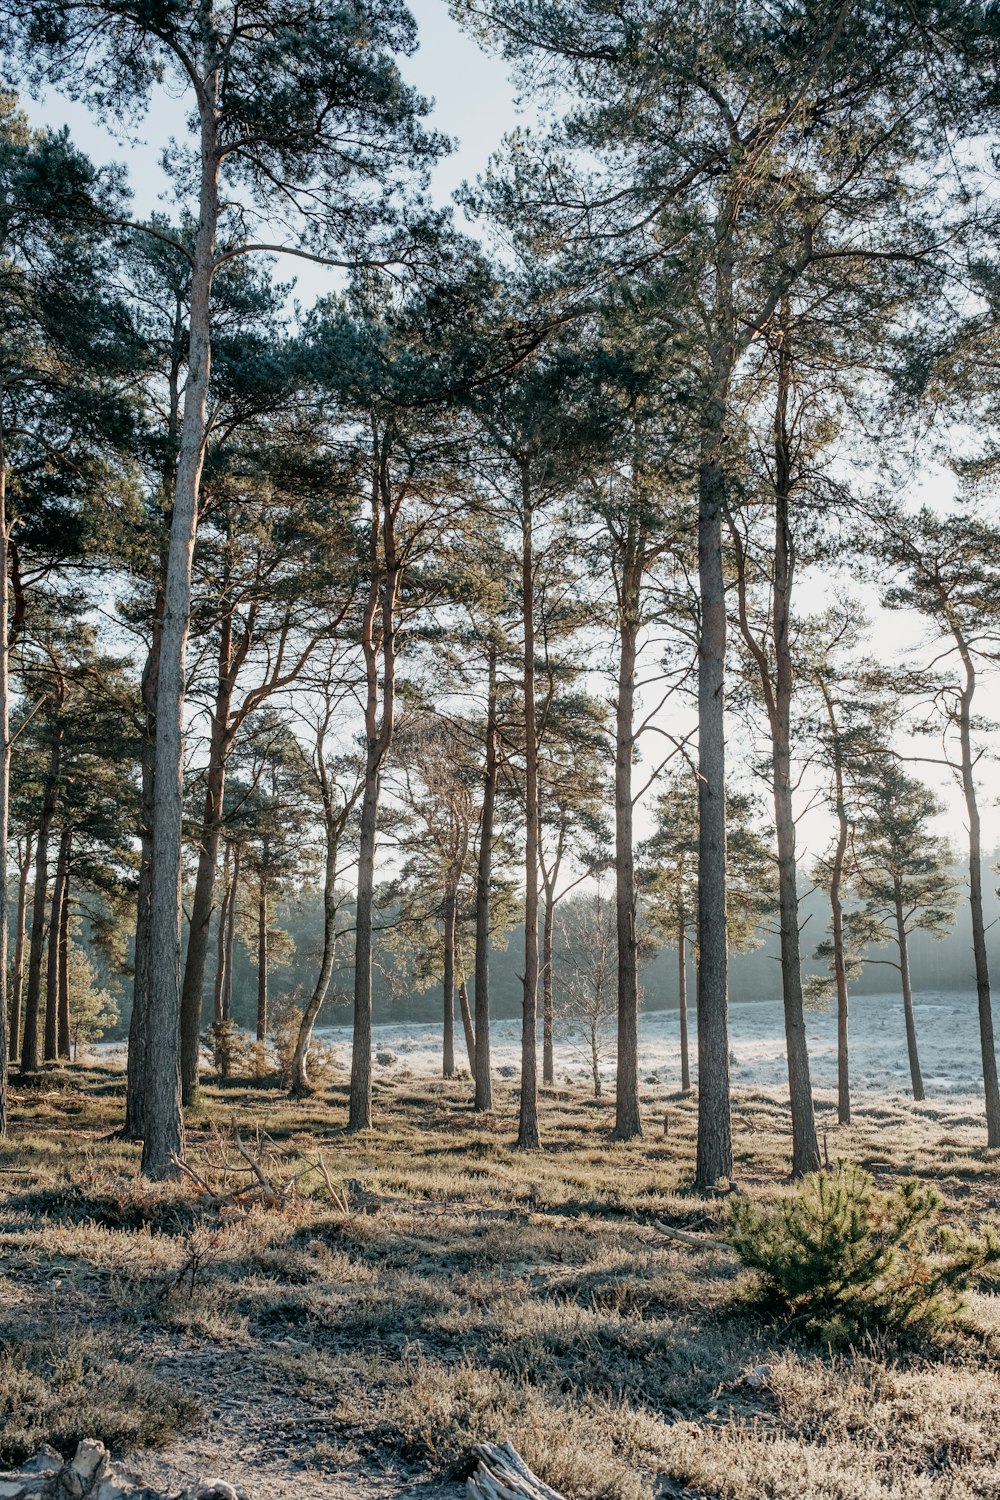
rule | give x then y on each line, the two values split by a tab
427	1287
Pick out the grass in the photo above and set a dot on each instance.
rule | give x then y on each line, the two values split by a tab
485	1294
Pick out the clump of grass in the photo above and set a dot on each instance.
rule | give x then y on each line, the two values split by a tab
848	1260
57	1390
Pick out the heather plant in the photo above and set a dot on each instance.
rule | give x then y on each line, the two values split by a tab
846	1259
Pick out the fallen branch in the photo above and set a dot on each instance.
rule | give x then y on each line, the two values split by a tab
696	1241
92	1476
502	1474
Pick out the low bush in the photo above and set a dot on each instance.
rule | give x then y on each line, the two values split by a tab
57	1391
848	1260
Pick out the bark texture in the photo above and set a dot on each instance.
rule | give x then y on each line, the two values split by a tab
484	876
528	1136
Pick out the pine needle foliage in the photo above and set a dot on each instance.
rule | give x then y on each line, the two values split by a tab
848	1261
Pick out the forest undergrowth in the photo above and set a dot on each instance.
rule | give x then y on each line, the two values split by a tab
459	1291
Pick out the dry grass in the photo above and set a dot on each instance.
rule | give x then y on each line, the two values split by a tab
489	1294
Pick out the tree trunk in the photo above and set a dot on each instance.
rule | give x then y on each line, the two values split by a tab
528	1134
484	877
33	991
991	1087
163	1126
628	1122
17	975
135	1084
262	966
382	597
64	916
220	948
467	1024
902	941
548	1053
682	1004
837	913
227	988
300	1084
805	1145
715	1141
52	969
208	858
8	1040
595	1060
448	986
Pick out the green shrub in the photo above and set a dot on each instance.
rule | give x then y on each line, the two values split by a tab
847	1259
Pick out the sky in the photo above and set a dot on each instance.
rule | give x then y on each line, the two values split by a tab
473	102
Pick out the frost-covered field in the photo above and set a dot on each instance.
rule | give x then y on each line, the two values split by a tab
947	1030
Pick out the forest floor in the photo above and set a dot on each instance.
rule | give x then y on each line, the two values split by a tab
470	1293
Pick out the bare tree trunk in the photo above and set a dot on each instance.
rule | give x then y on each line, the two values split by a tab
8	1039
52	969
548	1054
837	914
628	1121
991	1087
467	1024
715	1141
528	1134
262	967
64	916
805	1145
484	877
163	1125
220	946
17	975
300	1085
135	1084
208	858
448	986
595	1060
382	597
33	992
682	1005
227	988
902	940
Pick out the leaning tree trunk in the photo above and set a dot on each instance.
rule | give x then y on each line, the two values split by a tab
484	877
628	1122
33	990
467	1024
163	1125
682	1003
528	1134
208	859
715	1140
300	1084
448	986
17	973
902	941
52	969
991	1087
63	1039
382	598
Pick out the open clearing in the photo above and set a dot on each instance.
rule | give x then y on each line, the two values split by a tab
471	1293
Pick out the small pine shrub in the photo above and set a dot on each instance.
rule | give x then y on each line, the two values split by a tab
847	1260
232	1053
